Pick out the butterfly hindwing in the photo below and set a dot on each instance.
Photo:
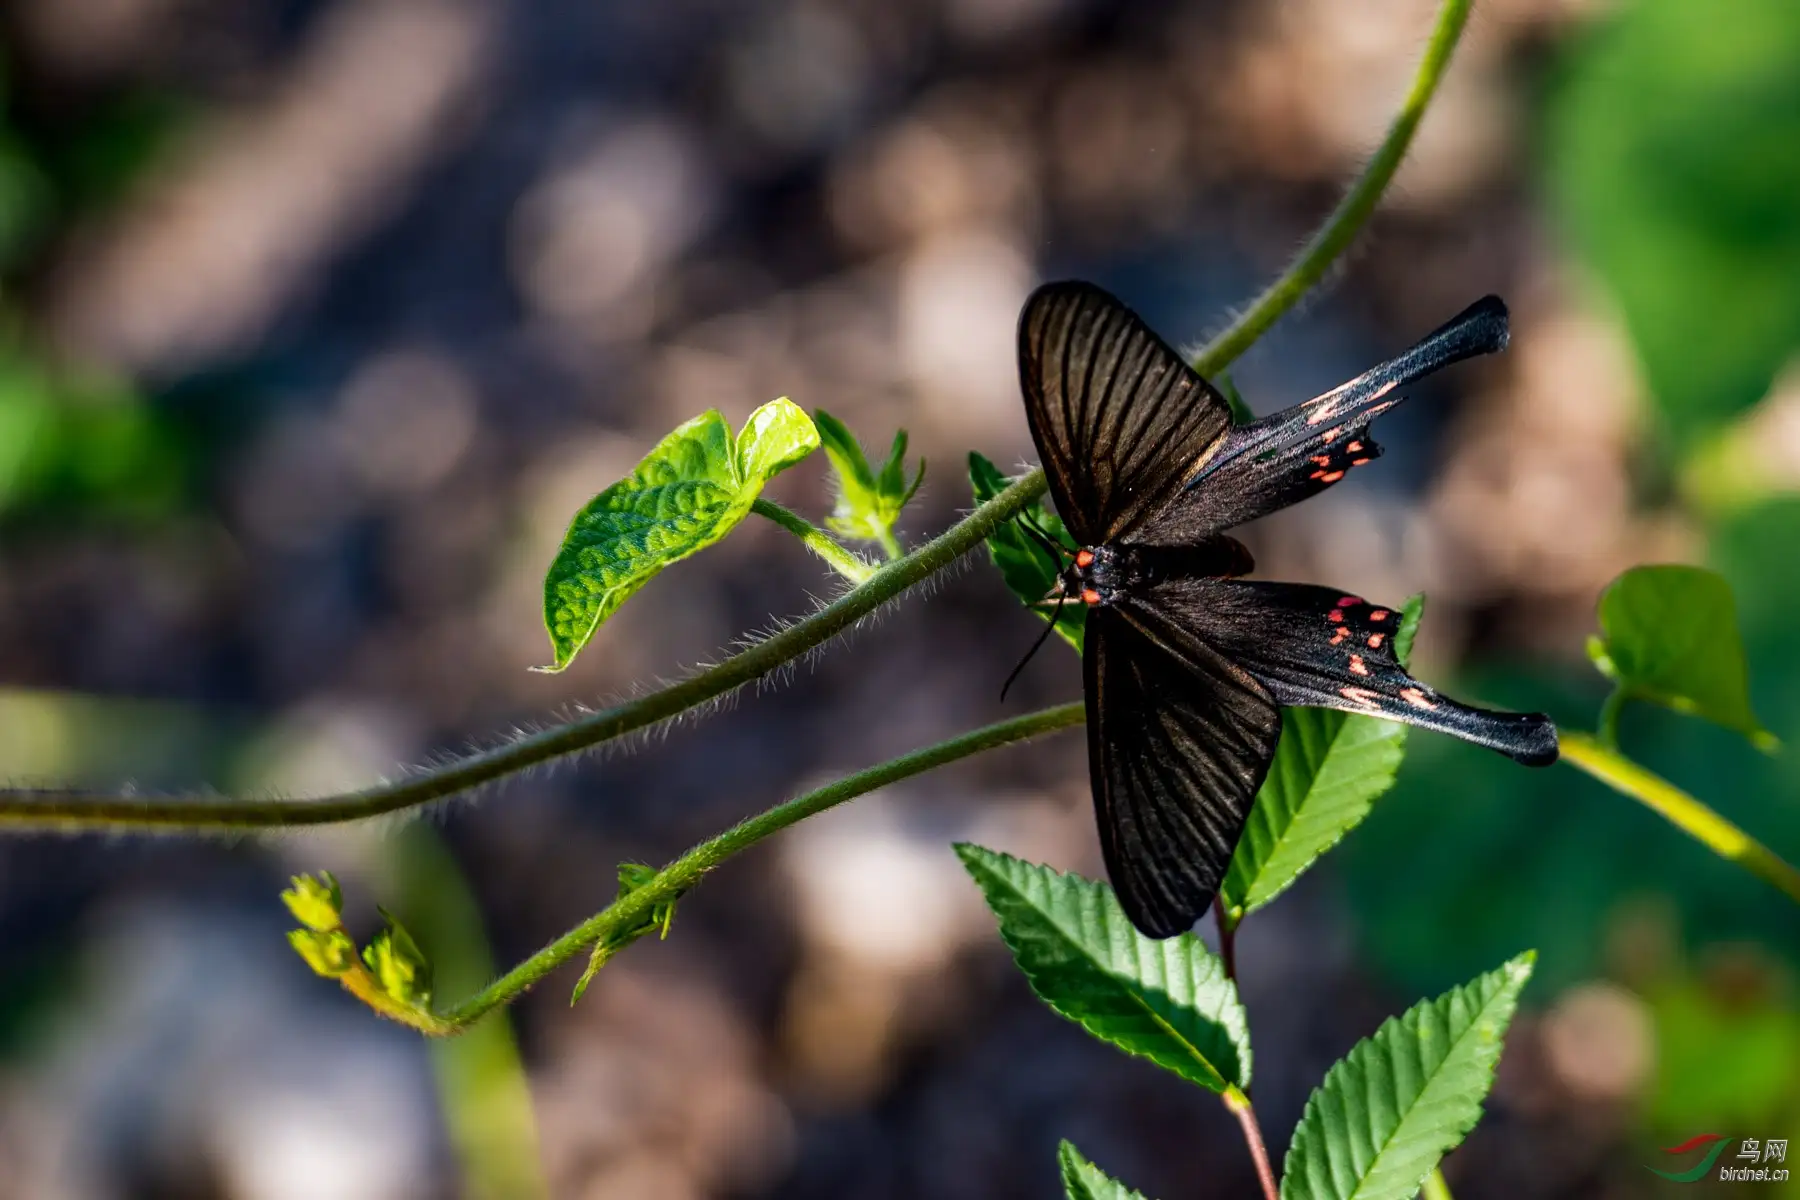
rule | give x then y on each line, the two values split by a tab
1321	648
1120	420
1179	740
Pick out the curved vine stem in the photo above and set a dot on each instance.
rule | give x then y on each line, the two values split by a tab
630	911
1353	211
1681	810
71	810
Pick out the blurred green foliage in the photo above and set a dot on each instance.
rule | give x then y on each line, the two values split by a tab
1672	152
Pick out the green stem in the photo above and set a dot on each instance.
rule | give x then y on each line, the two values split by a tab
72	810
1681	810
631	910
890	545
1436	1188
1353	211
817	540
1608	733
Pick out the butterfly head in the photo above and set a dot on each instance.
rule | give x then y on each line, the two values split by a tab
1092	576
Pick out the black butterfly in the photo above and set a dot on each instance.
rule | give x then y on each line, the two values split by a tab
1185	665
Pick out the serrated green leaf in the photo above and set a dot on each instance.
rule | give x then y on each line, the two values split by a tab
1402	1099
1030	570
1329	767
1670	636
1168	1001
685	495
1082	1180
328	953
317	902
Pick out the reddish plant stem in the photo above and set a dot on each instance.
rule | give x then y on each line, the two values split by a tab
1239	1104
1227	938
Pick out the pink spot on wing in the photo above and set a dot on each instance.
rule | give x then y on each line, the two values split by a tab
1380	614
1335	615
1356	665
1416	698
1332	477
1341	634
1347	601
1375	640
1356	695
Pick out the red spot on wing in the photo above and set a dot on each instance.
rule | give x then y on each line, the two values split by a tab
1361	462
1347	601
1353	447
1084	558
1375	640
1331	477
1416	698
1356	665
1341	634
1380	614
1335	615
1090	597
1356	695
1317	475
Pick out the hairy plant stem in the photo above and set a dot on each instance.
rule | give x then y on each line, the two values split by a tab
632	910
73	810
1681	810
836	556
1239	1105
1354	210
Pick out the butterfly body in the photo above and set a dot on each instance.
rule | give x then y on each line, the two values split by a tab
1186	664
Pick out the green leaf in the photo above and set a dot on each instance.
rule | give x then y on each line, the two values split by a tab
868	503
1673	154
1670	635
1411	613
1168	1001
1329	768
1402	1099
685	495
317	902
1030	570
398	964
1082	1180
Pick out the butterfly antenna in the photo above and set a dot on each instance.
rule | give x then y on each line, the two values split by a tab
1030	526
1049	627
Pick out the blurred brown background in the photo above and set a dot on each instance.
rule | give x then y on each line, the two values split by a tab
318	320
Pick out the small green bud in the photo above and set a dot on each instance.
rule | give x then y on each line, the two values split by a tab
328	953
316	901
398	964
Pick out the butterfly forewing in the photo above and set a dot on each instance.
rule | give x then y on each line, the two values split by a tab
1179	740
1120	421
